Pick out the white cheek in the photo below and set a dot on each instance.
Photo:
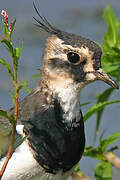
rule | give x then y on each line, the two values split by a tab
88	67
90	76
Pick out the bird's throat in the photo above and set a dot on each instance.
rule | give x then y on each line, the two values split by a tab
68	99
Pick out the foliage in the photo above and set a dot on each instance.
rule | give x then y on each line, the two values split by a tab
13	71
111	64
111	44
103	171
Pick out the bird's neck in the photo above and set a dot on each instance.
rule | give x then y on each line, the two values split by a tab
67	94
66	91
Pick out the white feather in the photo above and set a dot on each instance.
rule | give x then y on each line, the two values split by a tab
22	165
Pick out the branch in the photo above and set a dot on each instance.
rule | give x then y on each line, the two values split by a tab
15	53
113	159
81	176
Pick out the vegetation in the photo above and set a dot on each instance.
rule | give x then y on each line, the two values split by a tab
111	64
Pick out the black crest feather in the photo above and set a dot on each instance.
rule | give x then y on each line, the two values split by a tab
68	38
44	23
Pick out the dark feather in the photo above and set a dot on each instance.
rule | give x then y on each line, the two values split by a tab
44	23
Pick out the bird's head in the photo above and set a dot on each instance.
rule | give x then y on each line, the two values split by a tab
69	58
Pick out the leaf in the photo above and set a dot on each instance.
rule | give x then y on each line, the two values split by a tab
111	42
97	107
110	67
9	117
111	36
103	171
3	113
7	66
23	86
92	152
27	90
12	27
78	172
36	76
101	98
84	104
77	168
6	32
17	51
110	140
12	97
8	44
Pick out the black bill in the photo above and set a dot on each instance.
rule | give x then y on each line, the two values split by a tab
101	75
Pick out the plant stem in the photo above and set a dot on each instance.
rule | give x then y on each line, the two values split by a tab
12	138
113	159
76	176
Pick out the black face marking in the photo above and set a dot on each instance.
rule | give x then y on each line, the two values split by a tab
76	71
83	62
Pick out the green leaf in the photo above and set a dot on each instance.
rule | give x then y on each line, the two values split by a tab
27	90
110	140
12	27
3	113
103	171
101	98
36	76
7	66
8	44
9	117
12	97
77	168
111	36
97	107
84	104
92	152
112	149
78	171
111	42
5	30
17	51
23	85
110	67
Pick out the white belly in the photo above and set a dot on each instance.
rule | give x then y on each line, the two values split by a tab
22	165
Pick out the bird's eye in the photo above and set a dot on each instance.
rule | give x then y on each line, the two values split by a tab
73	57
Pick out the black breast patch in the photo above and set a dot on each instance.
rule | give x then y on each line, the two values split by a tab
55	146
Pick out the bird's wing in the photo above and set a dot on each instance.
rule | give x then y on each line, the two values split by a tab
27	108
5	131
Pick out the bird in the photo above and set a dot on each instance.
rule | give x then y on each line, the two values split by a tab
50	116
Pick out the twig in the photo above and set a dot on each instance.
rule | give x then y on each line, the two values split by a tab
76	176
15	83
12	139
113	159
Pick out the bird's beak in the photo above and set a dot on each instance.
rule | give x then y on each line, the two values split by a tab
101	75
